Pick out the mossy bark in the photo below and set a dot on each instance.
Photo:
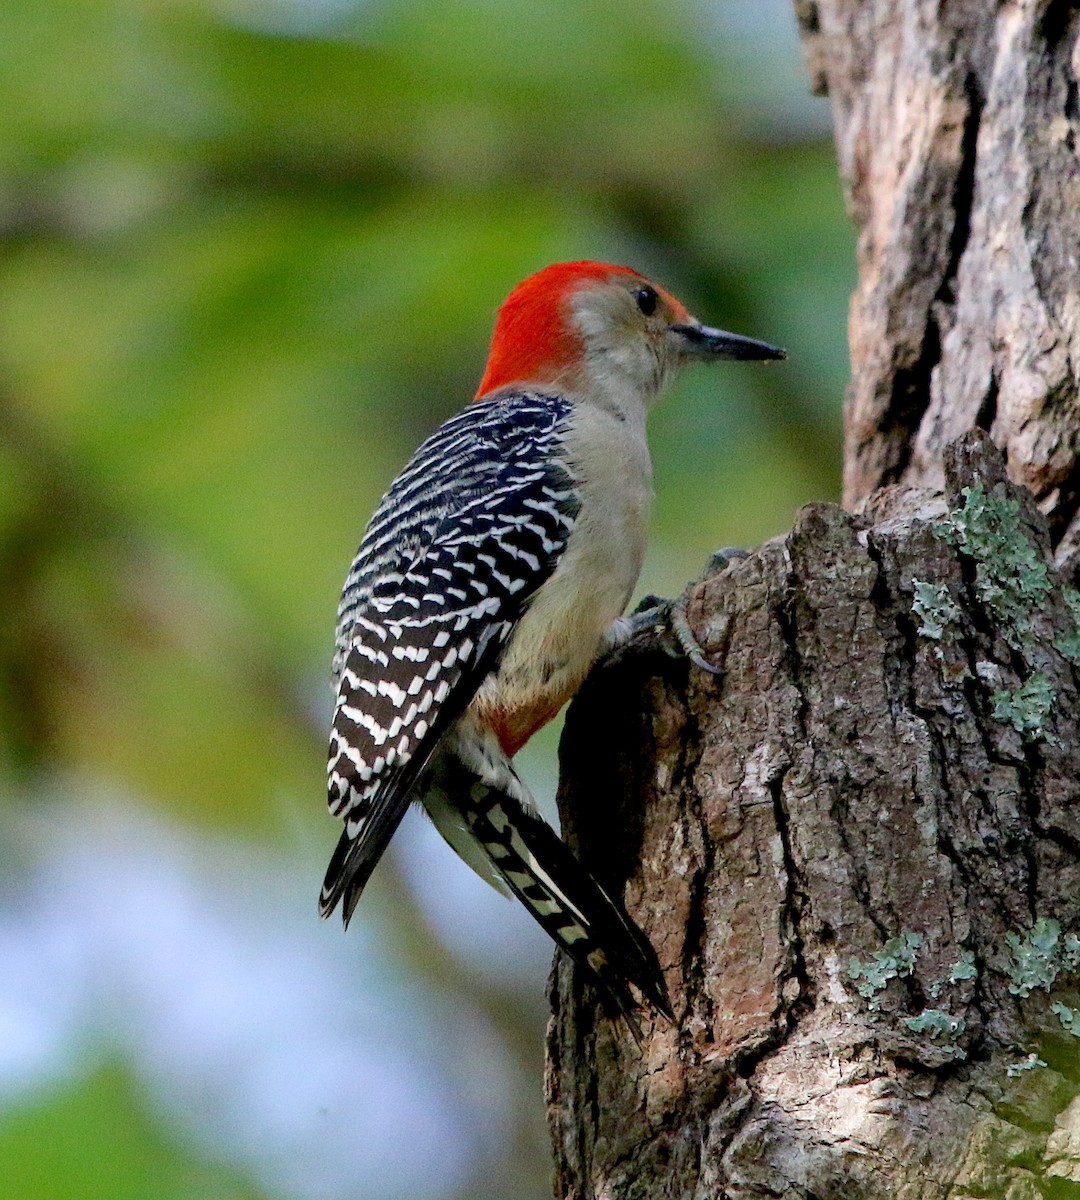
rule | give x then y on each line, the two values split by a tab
858	852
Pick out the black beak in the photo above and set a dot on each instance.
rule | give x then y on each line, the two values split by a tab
699	341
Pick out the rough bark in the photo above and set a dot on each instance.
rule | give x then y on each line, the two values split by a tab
956	131
858	852
853	779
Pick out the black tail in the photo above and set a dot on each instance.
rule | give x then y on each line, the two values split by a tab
574	910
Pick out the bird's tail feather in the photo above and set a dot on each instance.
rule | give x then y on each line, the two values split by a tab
573	909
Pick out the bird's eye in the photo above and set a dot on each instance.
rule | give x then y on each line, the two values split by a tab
646	298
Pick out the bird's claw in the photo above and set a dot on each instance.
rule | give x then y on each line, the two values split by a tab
684	635
668	619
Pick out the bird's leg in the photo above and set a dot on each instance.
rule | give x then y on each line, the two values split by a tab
667	619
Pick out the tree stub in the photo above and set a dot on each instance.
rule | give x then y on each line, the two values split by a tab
856	854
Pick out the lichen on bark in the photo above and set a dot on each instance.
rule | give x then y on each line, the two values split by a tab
846	786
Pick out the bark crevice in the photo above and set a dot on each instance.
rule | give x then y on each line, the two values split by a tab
856	797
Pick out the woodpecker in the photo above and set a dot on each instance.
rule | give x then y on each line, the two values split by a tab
493	574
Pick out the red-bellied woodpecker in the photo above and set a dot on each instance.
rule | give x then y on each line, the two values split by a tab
491	577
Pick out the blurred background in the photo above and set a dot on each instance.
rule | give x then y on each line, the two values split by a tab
250	253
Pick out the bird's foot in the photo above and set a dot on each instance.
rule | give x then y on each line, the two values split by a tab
667	621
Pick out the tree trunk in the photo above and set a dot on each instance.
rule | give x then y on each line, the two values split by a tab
956	130
858	852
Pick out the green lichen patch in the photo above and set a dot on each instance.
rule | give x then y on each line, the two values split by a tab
1025	1064
941	1026
1068	644
1040	956
1027	708
894	960
1011	578
934	607
965	968
1069	1017
1069	953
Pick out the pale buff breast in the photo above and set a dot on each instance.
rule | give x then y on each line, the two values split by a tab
557	639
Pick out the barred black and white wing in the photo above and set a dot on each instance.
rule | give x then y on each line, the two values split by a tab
471	528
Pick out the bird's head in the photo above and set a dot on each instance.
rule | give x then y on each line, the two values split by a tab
601	331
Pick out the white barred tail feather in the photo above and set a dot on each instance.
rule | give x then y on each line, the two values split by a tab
574	910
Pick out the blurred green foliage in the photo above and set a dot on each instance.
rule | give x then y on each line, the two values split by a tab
251	251
94	1140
